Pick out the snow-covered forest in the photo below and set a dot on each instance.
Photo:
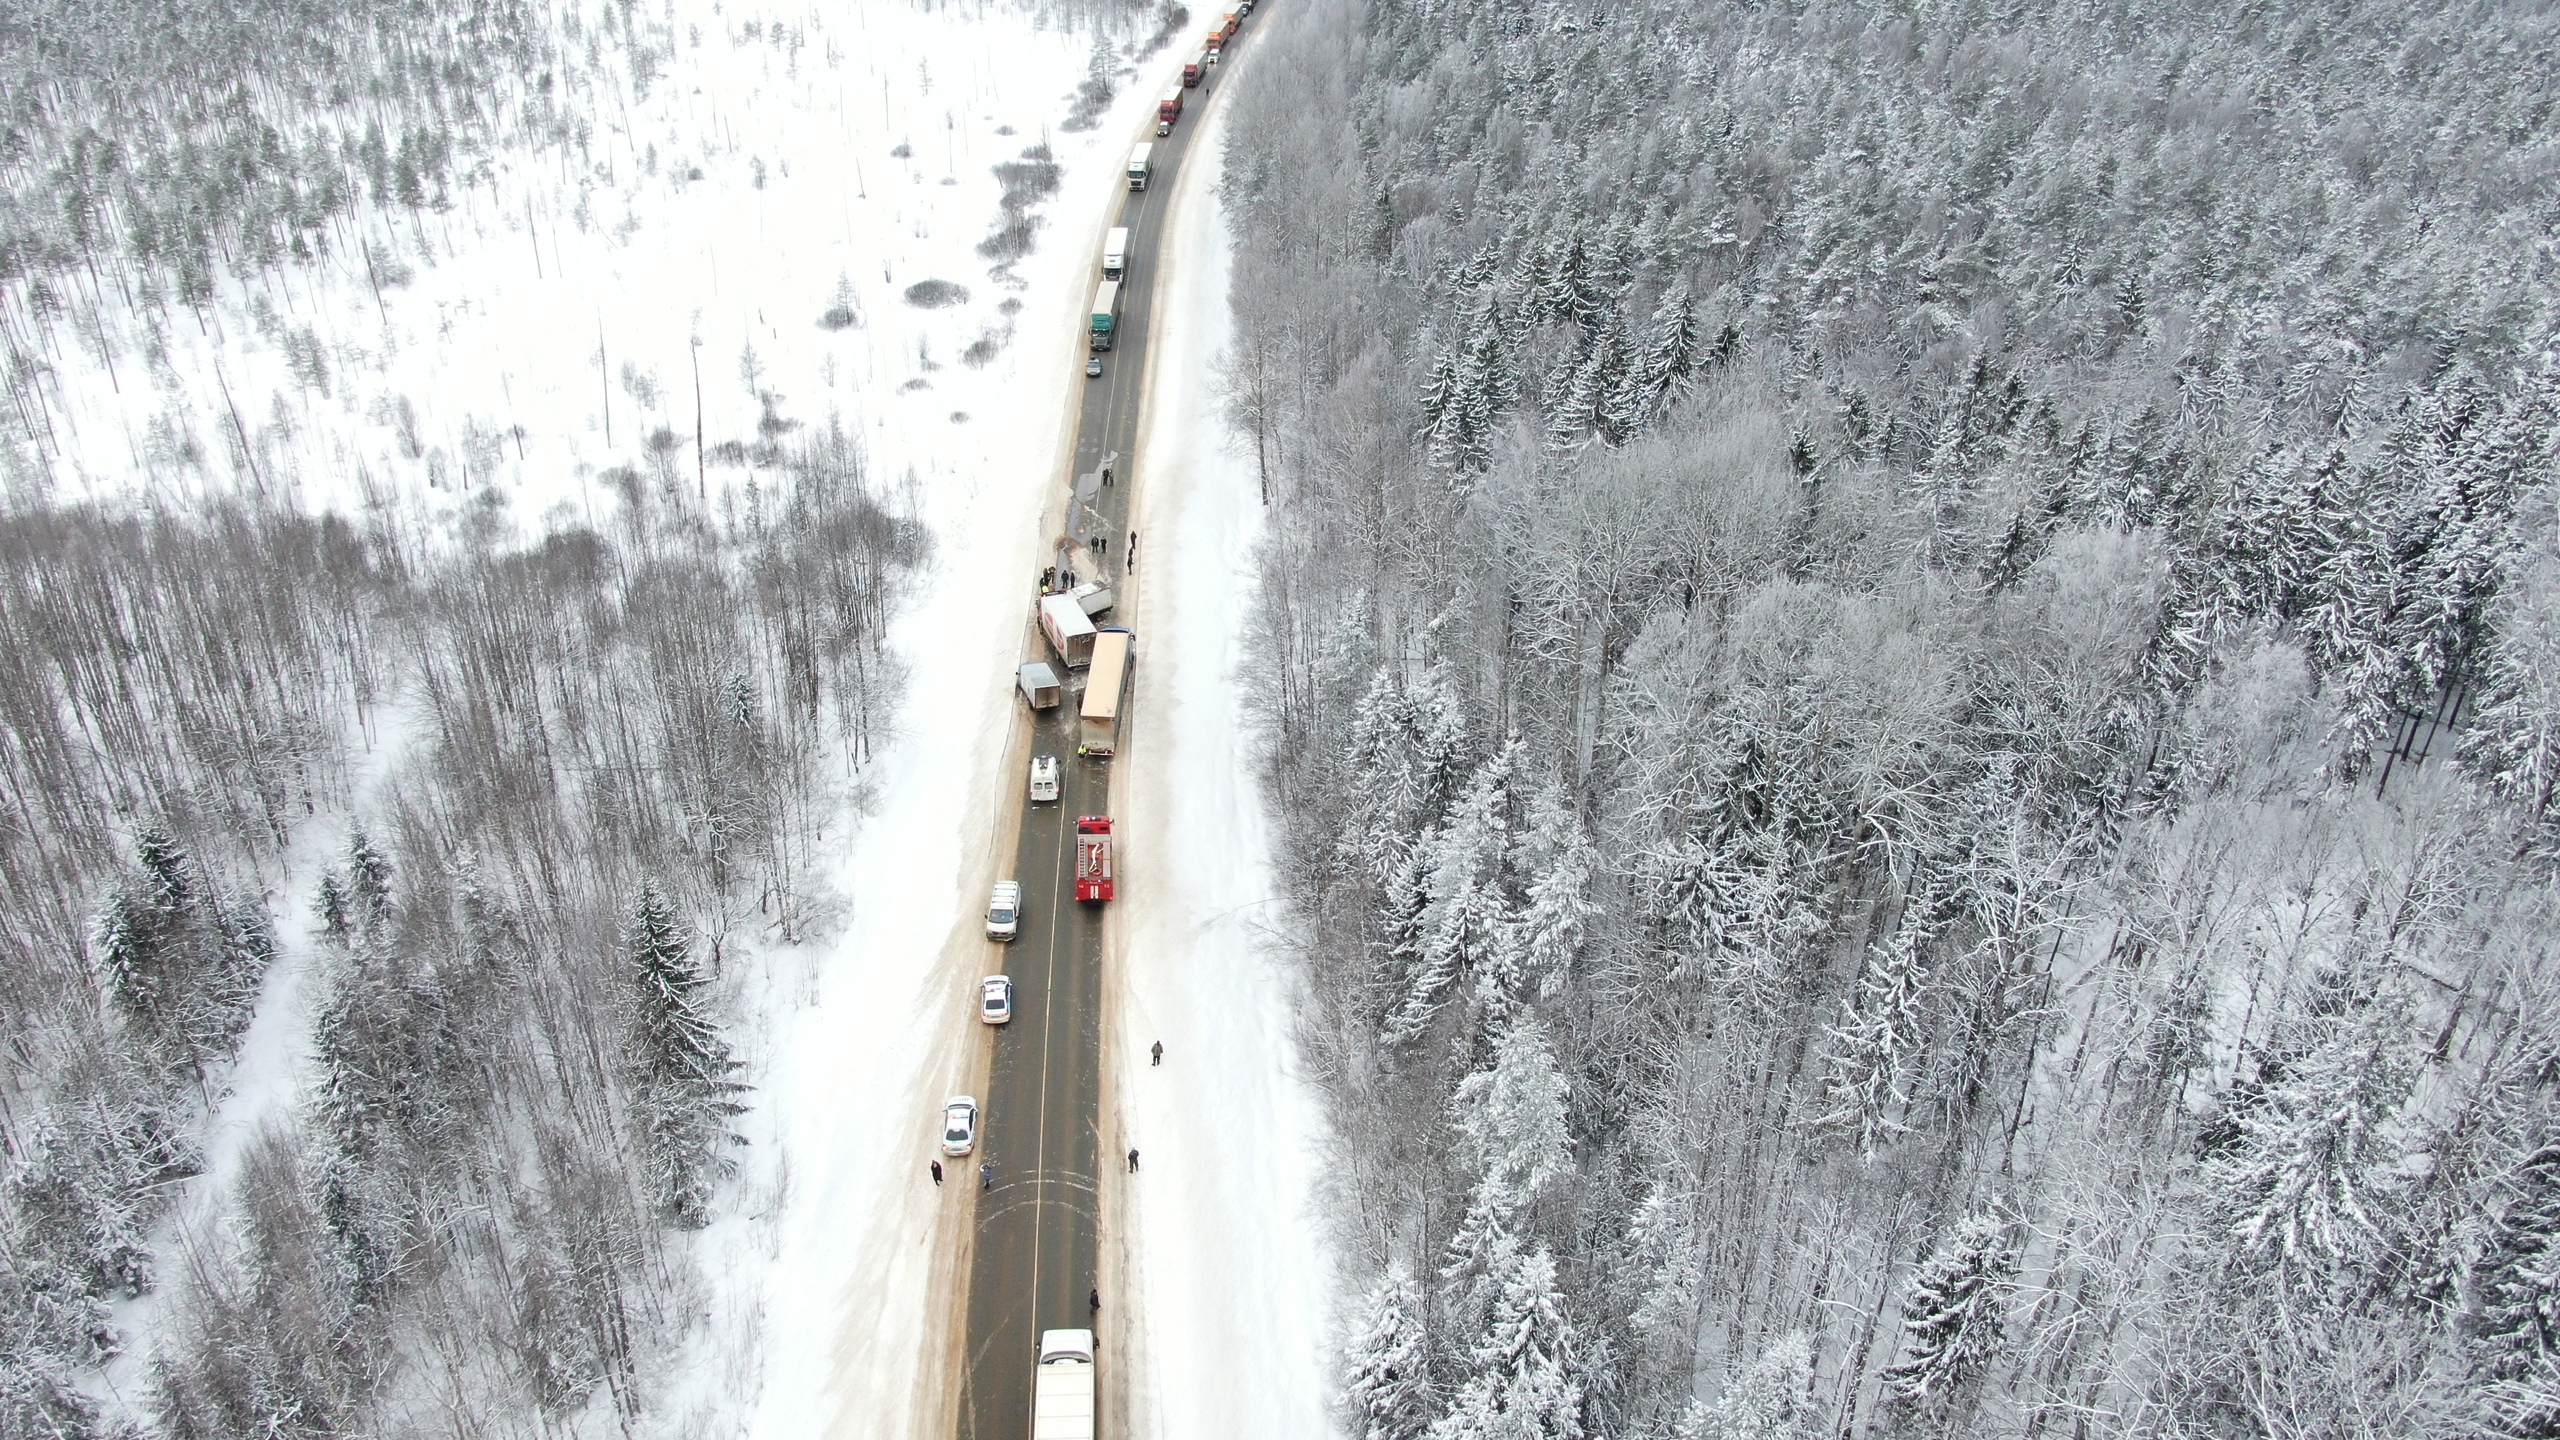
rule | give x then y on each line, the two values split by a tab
1915	648
432	704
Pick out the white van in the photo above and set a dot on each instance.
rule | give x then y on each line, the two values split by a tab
1004	911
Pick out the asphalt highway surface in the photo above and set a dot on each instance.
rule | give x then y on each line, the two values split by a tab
1033	1265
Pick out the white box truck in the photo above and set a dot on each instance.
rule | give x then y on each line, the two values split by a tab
1138	159
1040	686
1069	629
1115	252
1062	1387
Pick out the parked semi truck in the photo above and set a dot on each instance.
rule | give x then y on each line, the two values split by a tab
1140	163
1194	68
1168	110
1115	252
1106	316
1106	692
1093	857
1062	1388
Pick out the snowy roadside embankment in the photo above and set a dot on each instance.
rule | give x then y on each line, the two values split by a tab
1220	1241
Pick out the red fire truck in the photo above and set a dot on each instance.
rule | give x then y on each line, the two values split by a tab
1093	857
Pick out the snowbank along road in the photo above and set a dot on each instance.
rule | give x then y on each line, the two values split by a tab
1034	1258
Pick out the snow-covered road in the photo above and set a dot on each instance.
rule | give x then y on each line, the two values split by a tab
1216	1236
859	1291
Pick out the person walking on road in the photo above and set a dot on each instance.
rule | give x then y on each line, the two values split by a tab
1158	1053
1133	1159
937	1174
987	1176
1093	1300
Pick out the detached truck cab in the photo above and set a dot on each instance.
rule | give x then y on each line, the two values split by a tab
1138	166
1115	252
1062	1388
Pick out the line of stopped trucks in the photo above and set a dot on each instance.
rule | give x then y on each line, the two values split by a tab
1064	1391
1103	325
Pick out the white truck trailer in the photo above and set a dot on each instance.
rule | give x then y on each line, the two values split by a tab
1106	692
1115	252
1139	165
1106	316
1062	1387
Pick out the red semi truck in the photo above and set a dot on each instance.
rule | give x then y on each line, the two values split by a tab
1093	857
1169	109
1192	69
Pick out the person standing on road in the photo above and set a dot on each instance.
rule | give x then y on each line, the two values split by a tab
1158	1052
1133	1159
1093	1300
987	1176
1132	560
937	1174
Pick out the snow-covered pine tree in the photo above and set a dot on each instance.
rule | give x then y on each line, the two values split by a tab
681	1064
1387	781
1438	385
1562	864
1510	1121
1867	1076
1667	365
368	884
1772	1399
2517	1326
1389	1365
331	907
181	961
2512	742
1524	1377
244	945
2309	1185
1658	1259
1480	389
1466	906
1619	409
133	957
1566	276
1954	1315
1574	394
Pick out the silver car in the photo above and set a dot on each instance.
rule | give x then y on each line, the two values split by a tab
960	1126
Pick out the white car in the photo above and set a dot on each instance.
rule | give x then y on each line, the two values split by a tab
995	999
1044	778
960	1126
1004	910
